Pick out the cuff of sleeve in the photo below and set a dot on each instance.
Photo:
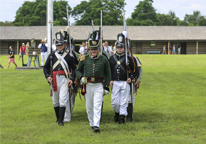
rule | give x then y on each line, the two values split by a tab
71	78
138	81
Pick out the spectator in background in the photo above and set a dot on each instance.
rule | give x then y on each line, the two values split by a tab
179	49
108	49
170	48
27	48
43	49
11	57
83	48
173	50
22	50
164	49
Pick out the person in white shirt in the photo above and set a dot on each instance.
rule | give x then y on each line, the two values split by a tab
108	49
43	49
83	48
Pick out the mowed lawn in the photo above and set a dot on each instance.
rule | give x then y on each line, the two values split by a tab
170	107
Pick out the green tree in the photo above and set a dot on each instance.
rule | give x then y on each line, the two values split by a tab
202	21
193	20
6	23
112	10
166	20
34	13
144	14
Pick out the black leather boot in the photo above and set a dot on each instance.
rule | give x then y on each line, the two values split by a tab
116	117
96	129
121	119
129	112
56	109
61	116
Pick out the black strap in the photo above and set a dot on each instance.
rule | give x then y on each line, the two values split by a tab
121	60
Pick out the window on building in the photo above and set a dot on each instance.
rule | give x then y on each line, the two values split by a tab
153	45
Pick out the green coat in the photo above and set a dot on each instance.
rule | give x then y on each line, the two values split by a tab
98	67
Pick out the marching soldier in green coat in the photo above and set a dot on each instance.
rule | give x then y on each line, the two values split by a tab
95	67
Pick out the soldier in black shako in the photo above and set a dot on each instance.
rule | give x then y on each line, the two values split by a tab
120	79
56	71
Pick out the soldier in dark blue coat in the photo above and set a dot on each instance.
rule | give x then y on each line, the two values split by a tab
121	75
59	76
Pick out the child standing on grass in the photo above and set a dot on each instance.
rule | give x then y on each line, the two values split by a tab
164	49
173	51
11	57
179	49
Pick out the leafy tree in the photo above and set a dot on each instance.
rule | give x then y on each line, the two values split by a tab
202	21
144	14
6	23
112	10
193	20
34	13
166	20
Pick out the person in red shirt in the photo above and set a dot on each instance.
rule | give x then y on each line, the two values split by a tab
22	50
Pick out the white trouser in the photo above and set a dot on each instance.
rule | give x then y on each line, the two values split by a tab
68	112
120	97
94	98
60	96
43	58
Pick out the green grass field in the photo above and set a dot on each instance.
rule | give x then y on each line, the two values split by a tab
170	107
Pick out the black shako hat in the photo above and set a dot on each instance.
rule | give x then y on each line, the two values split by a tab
93	44
120	40
59	38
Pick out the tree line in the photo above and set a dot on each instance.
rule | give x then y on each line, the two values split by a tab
34	14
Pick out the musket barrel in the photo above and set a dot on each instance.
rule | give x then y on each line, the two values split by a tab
101	34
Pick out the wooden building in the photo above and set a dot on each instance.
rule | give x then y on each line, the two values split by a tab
192	39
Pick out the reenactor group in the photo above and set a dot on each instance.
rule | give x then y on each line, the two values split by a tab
93	72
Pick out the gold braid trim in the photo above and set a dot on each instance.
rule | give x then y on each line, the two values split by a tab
82	58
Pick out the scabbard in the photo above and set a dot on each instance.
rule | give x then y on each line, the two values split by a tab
83	89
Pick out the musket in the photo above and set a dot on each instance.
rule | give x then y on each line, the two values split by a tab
93	25
125	46
70	50
127	43
51	58
101	34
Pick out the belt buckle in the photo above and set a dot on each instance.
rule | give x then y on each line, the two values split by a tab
57	73
92	79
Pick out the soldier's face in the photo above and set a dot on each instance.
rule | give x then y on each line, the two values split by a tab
120	50
60	47
94	52
106	44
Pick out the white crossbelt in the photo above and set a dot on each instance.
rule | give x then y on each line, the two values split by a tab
63	63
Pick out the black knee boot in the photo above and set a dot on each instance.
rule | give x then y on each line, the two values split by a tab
129	112
116	117
56	109
121	119
61	116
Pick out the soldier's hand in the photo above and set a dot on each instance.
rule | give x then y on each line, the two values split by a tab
111	83
136	85
70	82
49	79
129	80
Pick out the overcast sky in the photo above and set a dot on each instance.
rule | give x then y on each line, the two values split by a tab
8	8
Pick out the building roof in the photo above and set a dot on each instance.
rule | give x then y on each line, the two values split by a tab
138	33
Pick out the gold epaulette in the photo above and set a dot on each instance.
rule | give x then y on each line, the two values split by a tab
82	58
